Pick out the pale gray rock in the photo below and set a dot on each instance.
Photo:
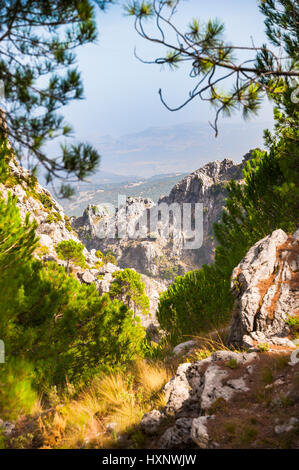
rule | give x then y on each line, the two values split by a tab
287	427
183	347
283	342
151	422
213	387
199	432
177	435
191	393
153	253
87	277
177	390
264	292
226	356
239	385
7	427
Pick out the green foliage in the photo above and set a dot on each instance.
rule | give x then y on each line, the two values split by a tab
17	239
196	302
66	329
71	251
215	63
127	287
45	34
99	254
17	395
109	257
263	347
53	217
68	223
54	328
232	363
169	272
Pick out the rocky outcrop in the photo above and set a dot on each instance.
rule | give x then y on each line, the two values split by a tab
193	392
266	288
155	254
98	228
53	227
208	186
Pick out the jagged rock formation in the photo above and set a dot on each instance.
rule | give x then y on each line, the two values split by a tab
32	198
206	185
54	227
266	288
154	254
97	228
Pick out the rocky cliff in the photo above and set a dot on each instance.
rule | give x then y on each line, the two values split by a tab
154	254
266	288
54	227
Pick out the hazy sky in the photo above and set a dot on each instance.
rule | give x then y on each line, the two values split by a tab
122	93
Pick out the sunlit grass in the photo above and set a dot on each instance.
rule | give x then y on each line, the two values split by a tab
118	401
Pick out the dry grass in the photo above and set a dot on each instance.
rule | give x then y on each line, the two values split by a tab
117	401
209	343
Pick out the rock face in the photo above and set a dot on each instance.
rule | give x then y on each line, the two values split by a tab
155	254
206	185
54	227
193	392
32	198
265	285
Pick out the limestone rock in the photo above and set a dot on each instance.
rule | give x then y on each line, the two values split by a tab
177	390
183	347
87	277
199	432
151	422
153	253
191	394
177	435
264	286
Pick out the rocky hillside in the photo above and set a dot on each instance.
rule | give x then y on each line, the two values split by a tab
241	399
54	227
154	255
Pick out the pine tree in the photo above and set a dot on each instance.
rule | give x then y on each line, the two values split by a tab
71	251
17	237
128	287
214	62
37	67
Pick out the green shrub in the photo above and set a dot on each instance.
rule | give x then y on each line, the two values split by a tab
63	330
71	251
194	303
109	257
17	395
127	287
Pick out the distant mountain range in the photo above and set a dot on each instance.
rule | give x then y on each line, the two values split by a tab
151	162
180	148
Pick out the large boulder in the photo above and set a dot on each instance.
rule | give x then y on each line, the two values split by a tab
265	286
